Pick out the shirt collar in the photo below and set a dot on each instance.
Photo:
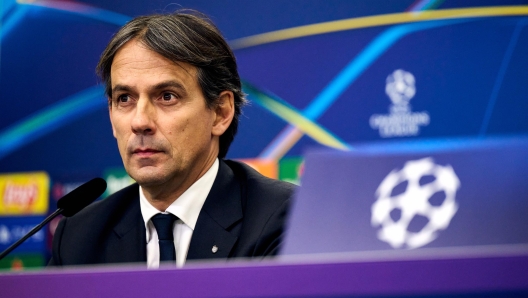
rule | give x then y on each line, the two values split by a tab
188	206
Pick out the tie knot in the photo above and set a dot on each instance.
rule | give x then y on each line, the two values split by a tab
163	224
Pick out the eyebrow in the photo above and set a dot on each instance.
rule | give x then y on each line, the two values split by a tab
119	87
168	84
161	85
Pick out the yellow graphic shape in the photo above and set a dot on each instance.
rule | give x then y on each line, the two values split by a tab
377	20
302	123
24	193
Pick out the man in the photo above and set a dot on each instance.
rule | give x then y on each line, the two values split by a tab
174	98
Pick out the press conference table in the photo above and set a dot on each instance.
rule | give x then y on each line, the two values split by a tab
484	275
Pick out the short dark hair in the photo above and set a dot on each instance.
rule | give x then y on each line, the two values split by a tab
184	36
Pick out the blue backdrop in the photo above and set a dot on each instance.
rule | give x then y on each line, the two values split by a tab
333	73
469	74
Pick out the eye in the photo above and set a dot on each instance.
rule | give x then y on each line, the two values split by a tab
168	96
123	98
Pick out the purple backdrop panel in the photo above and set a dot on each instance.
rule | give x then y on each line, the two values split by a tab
412	195
472	276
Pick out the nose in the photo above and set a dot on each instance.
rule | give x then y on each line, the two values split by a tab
143	122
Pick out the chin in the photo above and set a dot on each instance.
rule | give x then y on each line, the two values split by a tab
147	178
148	181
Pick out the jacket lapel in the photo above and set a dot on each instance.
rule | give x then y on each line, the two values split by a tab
127	244
217	229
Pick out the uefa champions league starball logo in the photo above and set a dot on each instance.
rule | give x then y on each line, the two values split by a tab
401	121
424	182
400	87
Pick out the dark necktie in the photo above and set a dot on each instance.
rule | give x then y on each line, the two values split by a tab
163	224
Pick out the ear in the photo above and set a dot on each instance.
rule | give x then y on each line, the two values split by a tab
110	116
224	111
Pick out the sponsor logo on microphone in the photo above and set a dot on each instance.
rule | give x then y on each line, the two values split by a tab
25	193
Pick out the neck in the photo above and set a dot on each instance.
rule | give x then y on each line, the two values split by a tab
162	196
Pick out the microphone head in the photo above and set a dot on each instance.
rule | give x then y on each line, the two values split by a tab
81	197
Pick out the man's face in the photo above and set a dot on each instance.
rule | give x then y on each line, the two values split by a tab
165	132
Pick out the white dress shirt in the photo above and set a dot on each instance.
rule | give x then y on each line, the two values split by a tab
187	208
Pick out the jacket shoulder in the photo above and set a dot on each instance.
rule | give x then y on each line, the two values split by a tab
265	206
108	206
257	183
79	239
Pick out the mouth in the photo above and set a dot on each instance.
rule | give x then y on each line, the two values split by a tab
145	152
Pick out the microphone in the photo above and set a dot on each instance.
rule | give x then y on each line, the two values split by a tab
68	206
81	197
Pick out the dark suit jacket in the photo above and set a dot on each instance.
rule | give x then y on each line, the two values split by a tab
243	216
